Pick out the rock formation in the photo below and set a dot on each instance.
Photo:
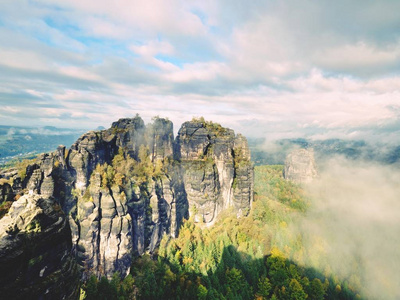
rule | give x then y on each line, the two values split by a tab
216	167
300	166
124	188
35	251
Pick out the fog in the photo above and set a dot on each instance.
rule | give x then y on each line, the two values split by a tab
353	224
265	151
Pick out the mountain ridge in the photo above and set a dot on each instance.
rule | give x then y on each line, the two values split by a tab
123	188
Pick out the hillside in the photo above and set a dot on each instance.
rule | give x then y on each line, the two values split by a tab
134	213
261	256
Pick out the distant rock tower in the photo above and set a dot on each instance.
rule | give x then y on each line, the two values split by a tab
300	166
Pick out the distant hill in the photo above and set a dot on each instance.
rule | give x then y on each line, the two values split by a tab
25	141
272	153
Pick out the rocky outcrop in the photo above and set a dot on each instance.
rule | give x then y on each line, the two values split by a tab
6	191
126	187
125	199
35	251
300	166
216	167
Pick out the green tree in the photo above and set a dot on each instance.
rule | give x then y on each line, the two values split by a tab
202	292
316	290
110	175
236	283
296	291
277	270
264	287
106	291
91	288
127	288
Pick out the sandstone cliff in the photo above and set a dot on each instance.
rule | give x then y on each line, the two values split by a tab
300	166
216	167
125	187
35	251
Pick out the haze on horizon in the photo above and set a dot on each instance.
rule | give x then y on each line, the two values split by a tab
320	69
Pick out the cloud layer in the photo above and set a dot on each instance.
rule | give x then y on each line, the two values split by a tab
268	68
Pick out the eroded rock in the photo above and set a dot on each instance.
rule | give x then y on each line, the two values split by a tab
300	166
35	251
126	187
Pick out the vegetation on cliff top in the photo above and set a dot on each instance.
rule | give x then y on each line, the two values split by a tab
124	168
215	128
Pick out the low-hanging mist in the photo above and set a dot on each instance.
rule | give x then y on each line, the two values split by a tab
353	225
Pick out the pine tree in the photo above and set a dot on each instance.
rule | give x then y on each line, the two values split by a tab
264	287
296	291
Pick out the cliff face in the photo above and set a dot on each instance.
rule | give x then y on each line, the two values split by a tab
125	187
35	251
6	192
119	193
216	167
300	166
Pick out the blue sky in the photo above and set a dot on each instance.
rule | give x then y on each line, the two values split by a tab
274	69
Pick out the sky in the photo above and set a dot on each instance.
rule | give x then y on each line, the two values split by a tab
272	69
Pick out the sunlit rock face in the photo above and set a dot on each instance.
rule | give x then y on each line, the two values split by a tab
124	207
300	166
124	188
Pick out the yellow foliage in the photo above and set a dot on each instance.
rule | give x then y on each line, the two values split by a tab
283	224
21	166
3	181
275	252
119	179
187	260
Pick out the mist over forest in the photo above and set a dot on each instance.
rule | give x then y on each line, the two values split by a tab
352	223
266	151
354	212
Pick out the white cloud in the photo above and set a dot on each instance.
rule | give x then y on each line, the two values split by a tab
79	73
198	72
359	55
100	27
153	48
282	68
23	59
168	17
